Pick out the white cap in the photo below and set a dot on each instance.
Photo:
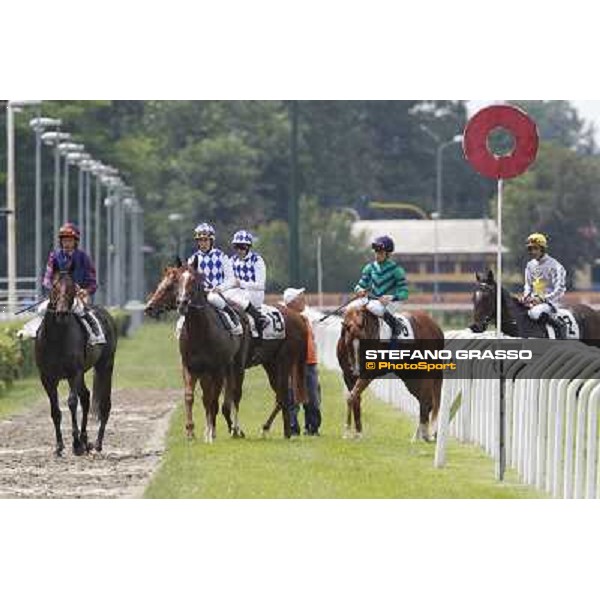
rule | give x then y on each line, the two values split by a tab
290	294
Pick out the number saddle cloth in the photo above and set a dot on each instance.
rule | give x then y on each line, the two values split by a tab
406	330
274	328
572	327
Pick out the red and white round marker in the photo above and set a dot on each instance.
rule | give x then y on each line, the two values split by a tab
476	147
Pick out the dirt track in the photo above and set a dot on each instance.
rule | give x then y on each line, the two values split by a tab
133	445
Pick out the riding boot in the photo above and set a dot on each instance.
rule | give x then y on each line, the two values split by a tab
91	322
559	326
259	320
393	323
232	314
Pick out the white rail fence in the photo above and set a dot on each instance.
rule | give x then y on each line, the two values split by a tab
551	424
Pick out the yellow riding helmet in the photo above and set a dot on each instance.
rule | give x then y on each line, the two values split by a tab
537	239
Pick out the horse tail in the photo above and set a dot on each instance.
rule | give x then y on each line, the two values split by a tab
299	380
103	369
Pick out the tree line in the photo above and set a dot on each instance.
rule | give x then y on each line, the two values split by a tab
228	162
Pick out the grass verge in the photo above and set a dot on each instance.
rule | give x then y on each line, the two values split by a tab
384	464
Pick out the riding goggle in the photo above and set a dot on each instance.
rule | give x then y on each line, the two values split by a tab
378	248
241	246
203	238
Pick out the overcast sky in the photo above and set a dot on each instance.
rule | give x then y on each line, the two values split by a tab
587	109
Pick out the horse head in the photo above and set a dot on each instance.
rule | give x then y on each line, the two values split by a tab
164	297
62	294
484	302
190	288
358	324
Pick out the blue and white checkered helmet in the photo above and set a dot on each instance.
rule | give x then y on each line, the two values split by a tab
204	229
242	237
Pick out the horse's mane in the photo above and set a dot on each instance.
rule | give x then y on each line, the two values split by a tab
370	323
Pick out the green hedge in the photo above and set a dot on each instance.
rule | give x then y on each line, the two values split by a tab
16	356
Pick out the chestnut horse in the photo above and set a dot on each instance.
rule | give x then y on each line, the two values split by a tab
282	359
62	352
359	324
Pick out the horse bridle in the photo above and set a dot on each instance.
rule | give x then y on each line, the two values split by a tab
488	319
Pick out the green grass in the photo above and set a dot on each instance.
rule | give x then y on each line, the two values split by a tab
384	464
148	359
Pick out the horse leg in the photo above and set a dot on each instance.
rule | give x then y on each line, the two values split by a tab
233	395
74	386
102	401
267	426
84	398
436	398
425	406
189	382
354	401
51	387
349	380
211	388
271	371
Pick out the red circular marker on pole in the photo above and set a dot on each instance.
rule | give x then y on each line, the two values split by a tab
478	153
482	159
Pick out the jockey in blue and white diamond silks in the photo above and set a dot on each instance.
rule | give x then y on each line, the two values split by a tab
250	277
220	281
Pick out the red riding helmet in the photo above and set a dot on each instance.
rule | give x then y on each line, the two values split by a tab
69	230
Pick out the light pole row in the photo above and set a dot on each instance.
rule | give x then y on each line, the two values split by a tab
120	200
439	202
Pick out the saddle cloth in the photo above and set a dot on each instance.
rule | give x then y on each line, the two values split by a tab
275	326
407	333
572	327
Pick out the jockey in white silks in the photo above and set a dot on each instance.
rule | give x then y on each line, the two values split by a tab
545	284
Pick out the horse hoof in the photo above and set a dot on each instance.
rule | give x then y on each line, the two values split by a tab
358	435
264	433
58	453
98	447
347	434
78	449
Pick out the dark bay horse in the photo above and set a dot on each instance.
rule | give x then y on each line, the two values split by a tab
182	287
515	321
359	323
62	352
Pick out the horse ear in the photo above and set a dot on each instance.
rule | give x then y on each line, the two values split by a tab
195	263
177	262
477	276
490	276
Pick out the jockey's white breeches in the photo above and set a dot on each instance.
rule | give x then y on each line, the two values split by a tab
238	296
375	307
78	307
535	312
